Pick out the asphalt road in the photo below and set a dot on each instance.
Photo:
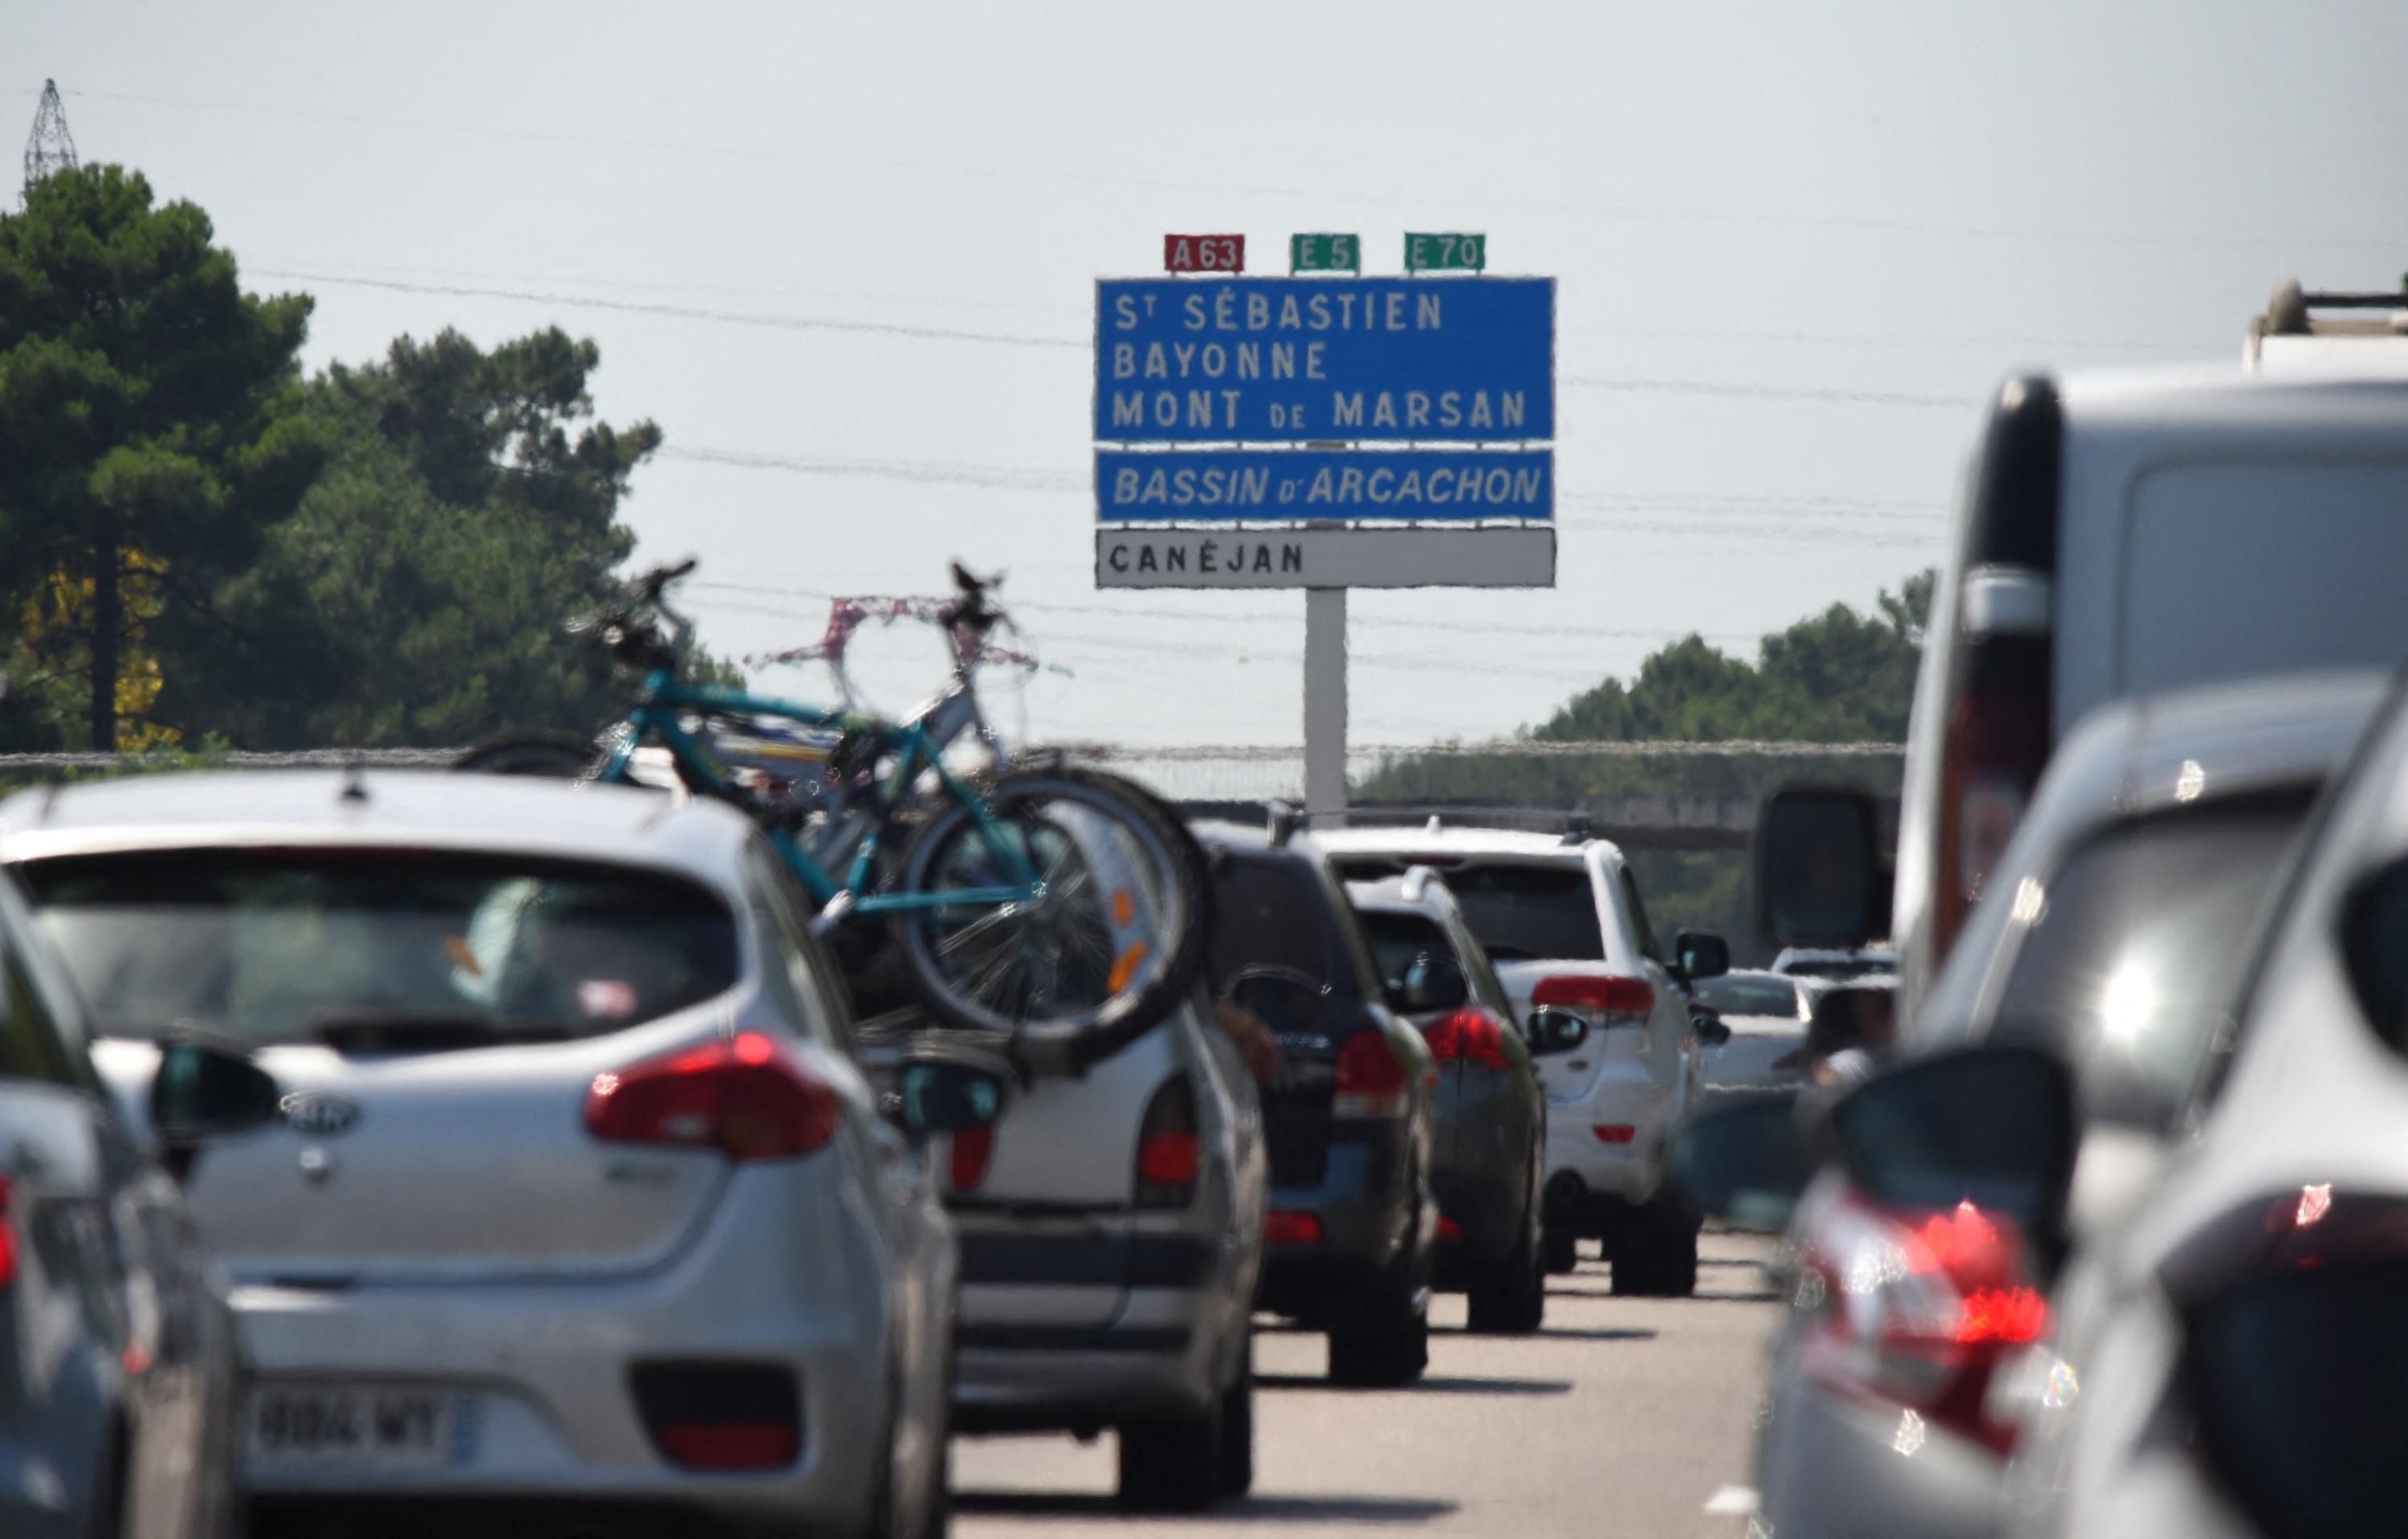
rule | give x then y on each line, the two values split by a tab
1624	1417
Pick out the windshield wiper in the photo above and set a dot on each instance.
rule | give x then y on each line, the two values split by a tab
426	1030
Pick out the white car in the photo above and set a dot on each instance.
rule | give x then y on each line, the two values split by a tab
1111	1231
1561	918
579	1207
1768	1016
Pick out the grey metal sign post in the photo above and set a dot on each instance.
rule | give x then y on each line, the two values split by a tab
1326	431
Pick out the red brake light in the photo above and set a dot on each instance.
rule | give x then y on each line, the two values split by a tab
1997	746
1448	1229
741	1096
1291	1228
730	1445
1629	998
1921	1313
1471	1035
8	1236
973	1151
1372	1080
1168	1155
1615	1132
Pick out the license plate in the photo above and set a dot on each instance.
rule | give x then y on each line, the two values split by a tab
383	1428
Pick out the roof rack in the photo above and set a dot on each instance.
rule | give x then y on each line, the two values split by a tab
1576	824
2293	312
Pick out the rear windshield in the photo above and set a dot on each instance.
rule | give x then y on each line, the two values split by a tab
355	947
2236	569
2133	951
1400	940
1530	912
1736	995
1268	917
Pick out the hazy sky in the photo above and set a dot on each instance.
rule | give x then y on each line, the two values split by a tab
851	247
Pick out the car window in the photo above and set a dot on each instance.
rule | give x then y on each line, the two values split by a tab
1735	995
2308	552
1268	915
278	945
1398	941
33	1046
2133	944
1529	911
1638	917
793	965
1486	985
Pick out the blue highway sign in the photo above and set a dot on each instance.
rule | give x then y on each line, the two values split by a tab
1295	360
1323	485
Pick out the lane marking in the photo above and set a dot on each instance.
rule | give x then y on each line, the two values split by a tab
1732	1501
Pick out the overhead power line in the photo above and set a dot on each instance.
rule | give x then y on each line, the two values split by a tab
682	312
1470	200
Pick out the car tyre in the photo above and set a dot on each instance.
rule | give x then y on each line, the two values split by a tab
1238	1427
1176	1466
1510	1297
1654	1254
1561	1247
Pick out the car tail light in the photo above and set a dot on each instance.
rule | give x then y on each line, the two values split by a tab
1996	747
1167	1155
973	1151
1606	1001
1372	1079
7	1235
1448	1229
1291	1228
721	1416
1615	1132
1470	1035
741	1096
1919	1310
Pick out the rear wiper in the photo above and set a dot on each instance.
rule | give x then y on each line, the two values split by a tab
426	1030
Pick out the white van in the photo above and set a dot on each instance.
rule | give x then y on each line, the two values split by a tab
2127	534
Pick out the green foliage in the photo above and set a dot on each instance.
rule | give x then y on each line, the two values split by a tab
149	424
418	597
1840	676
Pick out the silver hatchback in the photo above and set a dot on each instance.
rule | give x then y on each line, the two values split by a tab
579	1207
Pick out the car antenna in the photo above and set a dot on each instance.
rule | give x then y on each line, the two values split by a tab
1433	825
355	783
1578	827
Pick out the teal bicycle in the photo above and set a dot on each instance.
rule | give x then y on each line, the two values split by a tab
1022	897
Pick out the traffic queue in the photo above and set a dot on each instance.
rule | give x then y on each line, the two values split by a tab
2104	1240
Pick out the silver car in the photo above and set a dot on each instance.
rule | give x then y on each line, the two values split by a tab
578	1202
118	1402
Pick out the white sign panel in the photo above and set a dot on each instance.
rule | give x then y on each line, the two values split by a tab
1325	558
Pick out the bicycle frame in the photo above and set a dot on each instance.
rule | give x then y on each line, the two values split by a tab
919	745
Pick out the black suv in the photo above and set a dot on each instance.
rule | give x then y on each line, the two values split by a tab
1352	1227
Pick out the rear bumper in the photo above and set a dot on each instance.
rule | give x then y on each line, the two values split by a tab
1486	1215
1365	1210
1096	1328
540	1372
1829	1467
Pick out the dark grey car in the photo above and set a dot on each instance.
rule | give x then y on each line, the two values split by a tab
118	1368
1353	1225
1490	1158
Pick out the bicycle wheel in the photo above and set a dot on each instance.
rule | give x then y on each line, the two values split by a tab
548	755
1113	941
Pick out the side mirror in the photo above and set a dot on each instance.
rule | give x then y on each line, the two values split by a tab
1821	876
1995	1127
203	1092
1702	955
940	1097
1554	1031
1744	1163
1433	982
1707	1025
